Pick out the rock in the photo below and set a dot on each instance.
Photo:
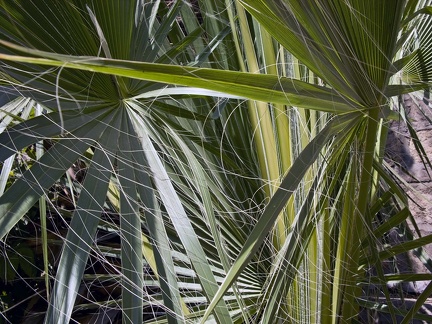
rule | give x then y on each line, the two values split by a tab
405	160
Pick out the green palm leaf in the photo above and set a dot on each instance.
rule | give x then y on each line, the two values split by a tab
223	208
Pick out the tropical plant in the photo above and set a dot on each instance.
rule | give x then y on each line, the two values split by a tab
231	157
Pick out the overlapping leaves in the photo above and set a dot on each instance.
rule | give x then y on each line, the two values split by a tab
100	70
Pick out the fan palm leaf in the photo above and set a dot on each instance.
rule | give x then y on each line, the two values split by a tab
126	91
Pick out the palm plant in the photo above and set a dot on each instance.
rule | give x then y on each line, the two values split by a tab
233	154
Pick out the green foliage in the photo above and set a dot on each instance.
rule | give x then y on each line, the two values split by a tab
206	160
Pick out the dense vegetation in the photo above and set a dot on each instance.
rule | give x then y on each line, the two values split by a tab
201	161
